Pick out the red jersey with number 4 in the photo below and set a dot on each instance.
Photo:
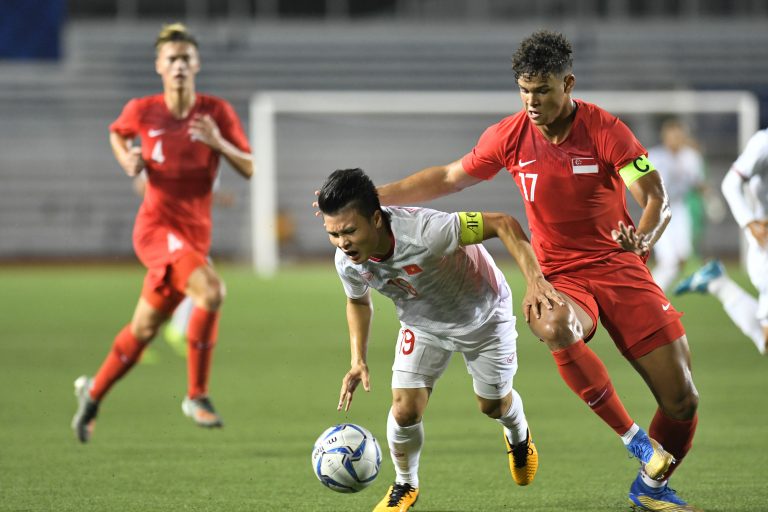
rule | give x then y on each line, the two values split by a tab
572	191
175	215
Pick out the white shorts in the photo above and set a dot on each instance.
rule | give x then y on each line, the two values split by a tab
757	268
490	354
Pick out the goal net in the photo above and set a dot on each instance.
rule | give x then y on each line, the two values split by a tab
300	137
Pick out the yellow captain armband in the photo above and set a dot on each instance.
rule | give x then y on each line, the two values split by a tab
636	169
471	230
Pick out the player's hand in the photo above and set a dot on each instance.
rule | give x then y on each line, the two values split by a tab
204	129
539	294
357	374
133	163
630	240
759	230
316	205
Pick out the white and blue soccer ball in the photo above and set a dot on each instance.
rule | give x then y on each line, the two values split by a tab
346	458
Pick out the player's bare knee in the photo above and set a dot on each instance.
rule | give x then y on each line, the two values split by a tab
491	408
558	328
144	333
684	406
213	295
406	417
405	413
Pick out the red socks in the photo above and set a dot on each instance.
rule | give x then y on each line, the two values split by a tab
587	376
126	350
201	336
676	436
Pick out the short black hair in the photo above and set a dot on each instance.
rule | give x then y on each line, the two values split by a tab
542	54
349	188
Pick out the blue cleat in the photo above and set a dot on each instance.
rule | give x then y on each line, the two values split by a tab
699	280
655	459
645	497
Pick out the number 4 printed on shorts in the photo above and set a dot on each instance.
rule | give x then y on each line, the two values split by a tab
174	244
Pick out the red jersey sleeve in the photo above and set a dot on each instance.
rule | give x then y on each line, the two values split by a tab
616	143
231	128
127	124
486	158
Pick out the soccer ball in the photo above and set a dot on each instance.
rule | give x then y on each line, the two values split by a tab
346	458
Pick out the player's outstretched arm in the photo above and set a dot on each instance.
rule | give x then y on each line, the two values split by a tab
126	154
205	129
650	194
359	315
733	188
427	184
539	292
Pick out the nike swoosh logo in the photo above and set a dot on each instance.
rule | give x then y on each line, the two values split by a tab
594	402
666	306
155	133
523	164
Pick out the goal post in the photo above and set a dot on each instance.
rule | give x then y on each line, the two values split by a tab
266	107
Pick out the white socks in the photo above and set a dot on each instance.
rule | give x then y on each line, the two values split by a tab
630	434
405	448
515	424
741	307
650	482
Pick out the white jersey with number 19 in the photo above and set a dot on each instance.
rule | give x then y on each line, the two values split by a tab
437	285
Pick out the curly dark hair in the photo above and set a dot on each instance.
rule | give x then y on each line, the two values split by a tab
542	54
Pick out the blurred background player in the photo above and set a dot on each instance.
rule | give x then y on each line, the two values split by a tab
175	330
450	297
681	166
745	188
183	135
569	159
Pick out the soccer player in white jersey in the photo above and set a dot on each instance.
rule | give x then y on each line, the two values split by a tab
745	187
450	297
682	169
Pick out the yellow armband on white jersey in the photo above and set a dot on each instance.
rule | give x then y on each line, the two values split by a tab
636	169
471	229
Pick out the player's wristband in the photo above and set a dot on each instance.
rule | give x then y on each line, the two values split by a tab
636	169
471	229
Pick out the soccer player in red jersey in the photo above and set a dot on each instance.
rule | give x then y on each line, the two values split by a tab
183	136
571	161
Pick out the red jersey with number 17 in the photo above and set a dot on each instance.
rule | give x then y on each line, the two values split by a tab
176	212
572	191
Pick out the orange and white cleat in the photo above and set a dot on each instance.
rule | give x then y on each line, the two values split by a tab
201	411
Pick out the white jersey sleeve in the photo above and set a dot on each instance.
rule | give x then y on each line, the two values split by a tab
440	232
751	169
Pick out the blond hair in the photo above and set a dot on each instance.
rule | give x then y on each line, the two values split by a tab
174	33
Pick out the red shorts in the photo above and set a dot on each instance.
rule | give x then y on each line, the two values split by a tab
164	286
620	291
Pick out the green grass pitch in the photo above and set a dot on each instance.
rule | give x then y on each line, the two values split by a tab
282	352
